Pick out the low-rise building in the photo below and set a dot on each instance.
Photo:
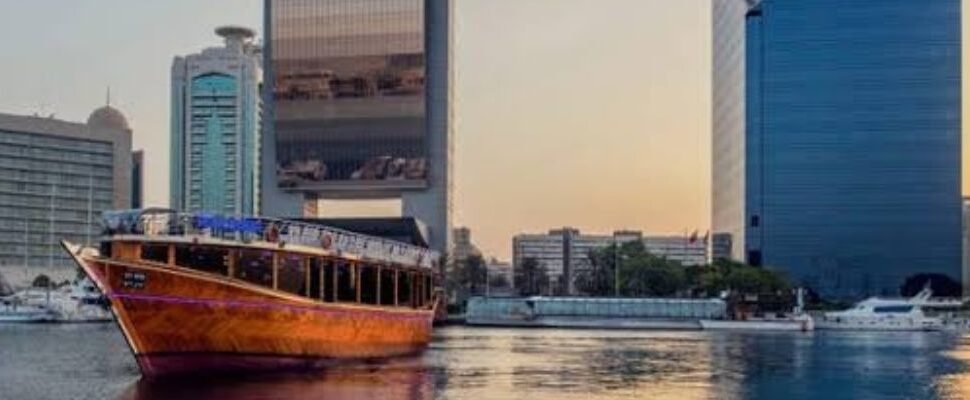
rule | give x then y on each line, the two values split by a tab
564	253
56	177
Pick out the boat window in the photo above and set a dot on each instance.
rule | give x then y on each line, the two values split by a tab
892	309
155	252
427	290
211	259
316	279
418	289
291	275
368	284
404	289
387	286
329	284
256	266
346	287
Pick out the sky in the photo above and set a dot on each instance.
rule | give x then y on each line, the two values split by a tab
593	114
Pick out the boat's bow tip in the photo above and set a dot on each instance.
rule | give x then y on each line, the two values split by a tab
71	247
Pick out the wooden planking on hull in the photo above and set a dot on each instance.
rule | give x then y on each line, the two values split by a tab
179	320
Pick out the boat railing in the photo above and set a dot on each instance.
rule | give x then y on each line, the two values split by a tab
164	222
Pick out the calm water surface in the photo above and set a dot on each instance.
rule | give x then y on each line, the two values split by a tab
93	362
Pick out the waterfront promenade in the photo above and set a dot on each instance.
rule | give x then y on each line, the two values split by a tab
92	362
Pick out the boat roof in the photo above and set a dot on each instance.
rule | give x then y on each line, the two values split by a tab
161	223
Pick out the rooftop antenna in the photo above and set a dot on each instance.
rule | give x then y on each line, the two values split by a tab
107	100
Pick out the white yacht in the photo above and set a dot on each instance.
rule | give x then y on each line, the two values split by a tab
14	309
882	314
79	302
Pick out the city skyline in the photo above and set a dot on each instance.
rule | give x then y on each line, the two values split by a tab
636	148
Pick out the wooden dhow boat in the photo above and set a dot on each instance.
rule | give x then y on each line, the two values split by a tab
203	293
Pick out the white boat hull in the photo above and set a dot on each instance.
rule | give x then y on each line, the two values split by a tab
26	317
897	325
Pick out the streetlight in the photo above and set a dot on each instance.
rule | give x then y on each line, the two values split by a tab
616	268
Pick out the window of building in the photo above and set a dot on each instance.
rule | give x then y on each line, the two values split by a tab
755	221
155	252
211	259
255	266
754	258
292	275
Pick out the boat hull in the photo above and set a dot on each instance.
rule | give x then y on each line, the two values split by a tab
179	321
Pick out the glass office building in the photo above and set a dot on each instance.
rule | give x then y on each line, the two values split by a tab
850	163
727	86
215	127
349	93
56	178
359	96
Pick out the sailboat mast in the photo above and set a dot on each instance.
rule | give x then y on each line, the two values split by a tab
50	238
87	239
27	247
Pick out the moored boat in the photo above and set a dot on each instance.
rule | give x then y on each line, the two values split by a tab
201	293
884	314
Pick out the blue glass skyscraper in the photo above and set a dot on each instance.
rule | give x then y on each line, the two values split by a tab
215	127
846	170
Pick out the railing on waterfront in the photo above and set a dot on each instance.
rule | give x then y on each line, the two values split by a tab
165	222
592	307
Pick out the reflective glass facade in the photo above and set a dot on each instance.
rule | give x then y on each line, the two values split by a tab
851	160
349	94
51	188
727	85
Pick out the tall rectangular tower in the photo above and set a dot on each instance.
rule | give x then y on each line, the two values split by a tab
851	157
359	95
215	127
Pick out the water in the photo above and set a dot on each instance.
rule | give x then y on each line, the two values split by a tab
93	362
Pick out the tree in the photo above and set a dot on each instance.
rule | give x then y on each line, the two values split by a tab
531	277
740	278
498	282
41	281
941	285
466	277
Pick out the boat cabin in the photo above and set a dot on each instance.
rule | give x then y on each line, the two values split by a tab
311	261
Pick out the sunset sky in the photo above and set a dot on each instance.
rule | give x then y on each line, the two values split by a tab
588	113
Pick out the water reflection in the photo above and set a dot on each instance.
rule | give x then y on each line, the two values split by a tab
54	362
396	380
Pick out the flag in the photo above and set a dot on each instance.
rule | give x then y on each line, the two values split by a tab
693	237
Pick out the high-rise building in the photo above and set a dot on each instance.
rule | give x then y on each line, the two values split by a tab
966	246
215	127
358	93
56	178
843	164
564	253
137	179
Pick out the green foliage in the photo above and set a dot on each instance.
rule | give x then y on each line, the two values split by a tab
467	277
642	274
531	278
499	281
41	281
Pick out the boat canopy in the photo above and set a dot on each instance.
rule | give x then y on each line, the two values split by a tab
156	222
